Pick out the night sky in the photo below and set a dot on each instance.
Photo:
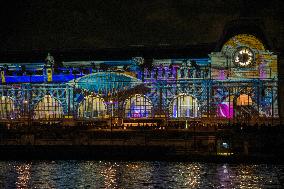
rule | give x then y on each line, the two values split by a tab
94	24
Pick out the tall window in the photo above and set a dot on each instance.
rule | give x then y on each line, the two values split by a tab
92	107
48	108
183	106
6	108
138	106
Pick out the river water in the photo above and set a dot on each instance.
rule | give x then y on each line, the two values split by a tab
138	174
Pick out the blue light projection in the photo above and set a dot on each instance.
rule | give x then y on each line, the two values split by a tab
104	82
138	106
137	112
184	106
180	87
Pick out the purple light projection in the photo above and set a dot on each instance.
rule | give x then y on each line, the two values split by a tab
175	111
137	111
262	72
221	75
262	65
225	110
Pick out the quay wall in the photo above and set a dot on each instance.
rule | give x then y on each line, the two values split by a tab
176	144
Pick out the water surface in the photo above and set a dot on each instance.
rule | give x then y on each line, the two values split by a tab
157	174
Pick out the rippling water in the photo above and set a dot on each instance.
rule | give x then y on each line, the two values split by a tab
111	174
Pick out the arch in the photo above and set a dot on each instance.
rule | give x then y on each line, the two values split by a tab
243	108
183	105
243	40
243	26
244	100
92	107
48	108
7	108
138	106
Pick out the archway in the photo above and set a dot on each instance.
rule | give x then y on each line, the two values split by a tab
138	106
48	108
7	108
243	107
184	106
92	107
244	100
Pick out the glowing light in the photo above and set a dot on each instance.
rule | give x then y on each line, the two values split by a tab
92	107
7	107
244	100
138	106
226	109
184	106
245	40
243	56
48	108
222	75
24	175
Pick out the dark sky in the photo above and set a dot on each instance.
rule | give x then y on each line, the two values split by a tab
75	24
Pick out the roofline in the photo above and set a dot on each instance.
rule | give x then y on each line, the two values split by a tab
85	54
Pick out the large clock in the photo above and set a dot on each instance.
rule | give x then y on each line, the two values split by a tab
243	57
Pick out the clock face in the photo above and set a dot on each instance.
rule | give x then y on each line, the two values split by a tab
243	57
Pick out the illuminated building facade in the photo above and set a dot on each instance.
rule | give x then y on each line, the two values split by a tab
237	84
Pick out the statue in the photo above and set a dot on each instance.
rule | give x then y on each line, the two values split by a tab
49	61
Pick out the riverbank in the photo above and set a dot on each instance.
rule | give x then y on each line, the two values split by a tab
250	144
127	153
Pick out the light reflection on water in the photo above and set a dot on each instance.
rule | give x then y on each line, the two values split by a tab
111	174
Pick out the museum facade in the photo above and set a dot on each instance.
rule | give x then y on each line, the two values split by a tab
237	83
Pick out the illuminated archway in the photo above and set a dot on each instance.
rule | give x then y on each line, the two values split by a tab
7	107
92	107
48	108
244	100
243	108
138	106
184	106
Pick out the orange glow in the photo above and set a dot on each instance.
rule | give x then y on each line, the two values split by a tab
244	100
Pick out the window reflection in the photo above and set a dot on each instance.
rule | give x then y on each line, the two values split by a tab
24	175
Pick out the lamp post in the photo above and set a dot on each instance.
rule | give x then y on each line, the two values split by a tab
111	102
26	110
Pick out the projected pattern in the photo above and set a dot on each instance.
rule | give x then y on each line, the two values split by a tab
237	83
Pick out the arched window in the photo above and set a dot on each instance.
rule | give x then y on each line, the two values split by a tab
183	106
92	107
138	106
7	107
244	100
48	108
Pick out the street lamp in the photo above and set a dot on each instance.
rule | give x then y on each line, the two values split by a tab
111	102
26	112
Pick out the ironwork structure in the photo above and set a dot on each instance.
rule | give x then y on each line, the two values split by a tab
237	84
